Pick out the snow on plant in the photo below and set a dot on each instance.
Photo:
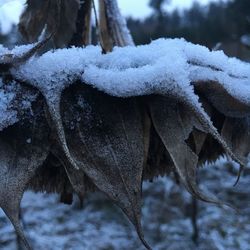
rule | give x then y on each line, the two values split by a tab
109	121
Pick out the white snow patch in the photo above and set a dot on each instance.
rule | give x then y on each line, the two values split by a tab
163	66
166	67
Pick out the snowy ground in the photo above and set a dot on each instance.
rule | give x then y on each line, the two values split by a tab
166	218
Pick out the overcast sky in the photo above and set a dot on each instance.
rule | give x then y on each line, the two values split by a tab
11	9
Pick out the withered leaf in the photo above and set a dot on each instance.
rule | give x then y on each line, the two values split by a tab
23	148
205	122
105	137
171	126
56	124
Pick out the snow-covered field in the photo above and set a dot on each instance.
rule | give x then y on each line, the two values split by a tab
166	218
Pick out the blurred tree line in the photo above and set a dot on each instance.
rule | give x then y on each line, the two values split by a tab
216	22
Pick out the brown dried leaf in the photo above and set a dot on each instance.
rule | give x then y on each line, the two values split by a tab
172	127
23	148
105	137
206	124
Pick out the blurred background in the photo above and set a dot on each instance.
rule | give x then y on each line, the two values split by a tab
171	218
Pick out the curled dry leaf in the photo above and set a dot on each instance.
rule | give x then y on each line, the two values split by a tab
171	125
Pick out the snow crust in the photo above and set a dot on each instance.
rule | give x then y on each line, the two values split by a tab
131	71
166	66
